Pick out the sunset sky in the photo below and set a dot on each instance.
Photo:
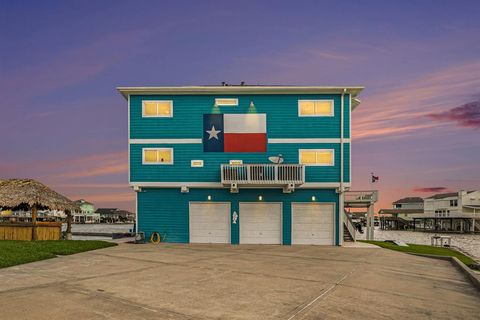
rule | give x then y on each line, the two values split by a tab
63	122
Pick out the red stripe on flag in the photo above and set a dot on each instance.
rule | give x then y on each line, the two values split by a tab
245	142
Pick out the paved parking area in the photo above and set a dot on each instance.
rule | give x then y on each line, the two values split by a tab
172	281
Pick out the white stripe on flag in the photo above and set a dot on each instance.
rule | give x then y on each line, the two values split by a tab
245	123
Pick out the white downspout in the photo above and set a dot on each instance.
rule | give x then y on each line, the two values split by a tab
341	191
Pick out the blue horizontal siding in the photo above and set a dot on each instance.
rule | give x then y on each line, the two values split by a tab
282	116
181	170
167	210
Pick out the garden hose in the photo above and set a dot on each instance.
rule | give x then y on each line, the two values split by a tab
155	237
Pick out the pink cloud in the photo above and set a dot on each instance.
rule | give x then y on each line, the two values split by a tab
430	189
467	115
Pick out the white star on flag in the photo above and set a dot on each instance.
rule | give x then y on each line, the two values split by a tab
213	133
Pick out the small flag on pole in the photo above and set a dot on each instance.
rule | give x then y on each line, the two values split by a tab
374	178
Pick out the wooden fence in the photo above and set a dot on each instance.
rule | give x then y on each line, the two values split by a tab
25	231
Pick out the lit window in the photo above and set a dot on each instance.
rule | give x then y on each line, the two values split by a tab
315	108
317	157
236	162
163	108
226	102
157	156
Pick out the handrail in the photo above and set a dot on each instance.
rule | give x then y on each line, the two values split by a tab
349	224
263	174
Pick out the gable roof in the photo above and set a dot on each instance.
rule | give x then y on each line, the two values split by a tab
243	89
409	200
443	195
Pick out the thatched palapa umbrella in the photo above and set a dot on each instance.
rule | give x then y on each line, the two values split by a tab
35	195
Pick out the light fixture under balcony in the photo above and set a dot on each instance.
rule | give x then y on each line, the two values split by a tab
209	197
313	198
260	198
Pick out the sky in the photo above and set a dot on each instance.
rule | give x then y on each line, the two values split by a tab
63	123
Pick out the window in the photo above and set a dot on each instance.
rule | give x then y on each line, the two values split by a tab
162	108
226	102
317	157
453	203
157	156
315	108
236	162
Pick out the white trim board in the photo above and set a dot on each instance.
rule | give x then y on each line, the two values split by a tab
271	140
164	141
306	140
308	185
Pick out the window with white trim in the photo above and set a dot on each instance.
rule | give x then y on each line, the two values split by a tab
157	156
226	102
315	108
157	108
317	157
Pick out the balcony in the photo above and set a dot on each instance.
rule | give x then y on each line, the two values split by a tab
263	174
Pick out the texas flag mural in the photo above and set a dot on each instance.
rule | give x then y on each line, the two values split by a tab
235	132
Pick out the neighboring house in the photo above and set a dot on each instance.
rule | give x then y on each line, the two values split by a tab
115	215
455	211
203	161
86	214
405	208
402	214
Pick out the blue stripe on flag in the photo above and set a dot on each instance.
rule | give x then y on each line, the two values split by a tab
213	141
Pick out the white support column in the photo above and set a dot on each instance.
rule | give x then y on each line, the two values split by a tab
370	222
341	209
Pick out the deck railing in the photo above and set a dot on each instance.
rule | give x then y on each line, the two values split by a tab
276	174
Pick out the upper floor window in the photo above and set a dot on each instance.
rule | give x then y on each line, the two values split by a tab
317	157
157	156
226	102
315	108
453	203
159	108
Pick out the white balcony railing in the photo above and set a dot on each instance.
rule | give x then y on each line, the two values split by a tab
273	174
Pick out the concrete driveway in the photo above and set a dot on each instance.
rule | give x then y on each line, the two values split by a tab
237	282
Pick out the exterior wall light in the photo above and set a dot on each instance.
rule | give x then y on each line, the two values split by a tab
313	198
209	197
260	198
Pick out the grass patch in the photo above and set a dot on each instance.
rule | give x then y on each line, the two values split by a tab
424	249
18	252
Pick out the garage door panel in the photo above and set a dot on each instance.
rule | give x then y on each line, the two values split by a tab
260	223
209	222
313	223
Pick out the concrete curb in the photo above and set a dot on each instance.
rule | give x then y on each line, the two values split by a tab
474	278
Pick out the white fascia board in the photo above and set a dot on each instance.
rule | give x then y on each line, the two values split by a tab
187	90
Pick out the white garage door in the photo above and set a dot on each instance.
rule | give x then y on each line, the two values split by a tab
209	222
313	223
261	223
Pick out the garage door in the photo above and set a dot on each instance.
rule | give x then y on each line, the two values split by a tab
260	223
313	223
209	222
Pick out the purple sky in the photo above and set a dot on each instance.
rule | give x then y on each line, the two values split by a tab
63	123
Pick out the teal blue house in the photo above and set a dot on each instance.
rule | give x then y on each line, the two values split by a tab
241	164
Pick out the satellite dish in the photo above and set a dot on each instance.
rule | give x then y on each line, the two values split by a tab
278	159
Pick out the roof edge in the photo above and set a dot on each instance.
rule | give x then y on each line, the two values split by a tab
187	90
